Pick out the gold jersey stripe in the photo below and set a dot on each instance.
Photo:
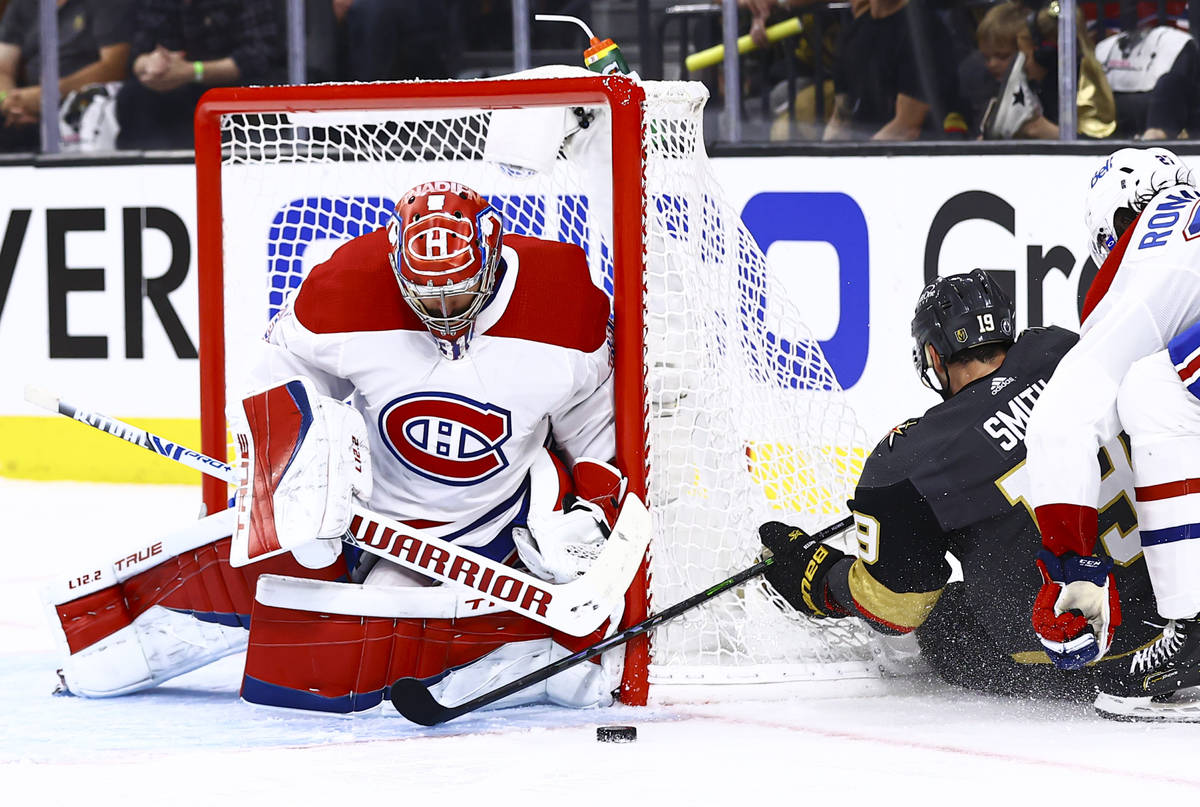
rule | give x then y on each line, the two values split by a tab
1040	657
904	611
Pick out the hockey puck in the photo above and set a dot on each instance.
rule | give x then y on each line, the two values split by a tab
616	734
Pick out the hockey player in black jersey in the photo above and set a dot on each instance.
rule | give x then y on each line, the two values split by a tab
953	481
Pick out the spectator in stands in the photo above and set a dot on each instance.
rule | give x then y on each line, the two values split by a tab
182	48
1004	45
761	10
1155	77
888	88
390	40
1015	76
93	46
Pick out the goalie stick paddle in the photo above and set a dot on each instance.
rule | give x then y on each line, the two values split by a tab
413	700
576	607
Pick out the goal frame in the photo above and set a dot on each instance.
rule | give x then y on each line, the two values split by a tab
623	97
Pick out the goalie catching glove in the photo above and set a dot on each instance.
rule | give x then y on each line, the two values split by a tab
304	458
801	569
565	532
1077	608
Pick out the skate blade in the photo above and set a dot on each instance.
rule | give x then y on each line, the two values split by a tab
1183	707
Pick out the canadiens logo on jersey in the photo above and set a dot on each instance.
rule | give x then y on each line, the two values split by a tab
447	438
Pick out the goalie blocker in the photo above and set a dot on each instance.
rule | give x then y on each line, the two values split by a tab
304	459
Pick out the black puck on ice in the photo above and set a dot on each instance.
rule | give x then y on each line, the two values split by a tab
616	734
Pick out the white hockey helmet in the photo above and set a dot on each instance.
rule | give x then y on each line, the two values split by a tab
1122	187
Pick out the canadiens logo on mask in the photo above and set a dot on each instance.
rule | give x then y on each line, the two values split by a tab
445	244
447	438
440	239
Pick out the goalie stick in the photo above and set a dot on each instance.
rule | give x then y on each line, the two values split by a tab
577	607
413	700
132	434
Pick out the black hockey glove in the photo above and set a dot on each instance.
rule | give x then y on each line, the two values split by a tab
800	569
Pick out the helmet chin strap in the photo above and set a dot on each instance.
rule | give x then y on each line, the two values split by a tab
934	383
931	378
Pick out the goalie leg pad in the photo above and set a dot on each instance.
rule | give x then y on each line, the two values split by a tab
580	687
336	647
326	662
132	622
1162	418
156	646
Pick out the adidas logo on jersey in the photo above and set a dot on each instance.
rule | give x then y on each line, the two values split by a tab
1000	382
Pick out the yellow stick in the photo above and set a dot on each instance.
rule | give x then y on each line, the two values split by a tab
716	54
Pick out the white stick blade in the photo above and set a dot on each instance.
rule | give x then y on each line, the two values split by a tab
633	522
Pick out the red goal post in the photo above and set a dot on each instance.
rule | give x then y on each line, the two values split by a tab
726	408
623	98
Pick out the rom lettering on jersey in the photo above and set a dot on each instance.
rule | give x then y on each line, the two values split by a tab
1166	215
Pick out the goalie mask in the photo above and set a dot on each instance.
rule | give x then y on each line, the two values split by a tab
1122	187
955	314
445	250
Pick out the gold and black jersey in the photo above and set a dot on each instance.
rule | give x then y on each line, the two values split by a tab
952	482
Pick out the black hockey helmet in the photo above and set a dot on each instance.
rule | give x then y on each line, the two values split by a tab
957	313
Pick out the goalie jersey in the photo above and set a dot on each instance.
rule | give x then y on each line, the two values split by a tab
452	442
954	481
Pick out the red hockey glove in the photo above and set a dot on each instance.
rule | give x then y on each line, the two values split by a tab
602	485
1077	608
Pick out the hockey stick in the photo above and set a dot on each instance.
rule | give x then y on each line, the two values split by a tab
132	434
414	701
577	607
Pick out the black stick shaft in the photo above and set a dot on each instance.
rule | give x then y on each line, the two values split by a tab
413	700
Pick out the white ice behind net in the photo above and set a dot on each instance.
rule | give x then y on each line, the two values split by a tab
746	421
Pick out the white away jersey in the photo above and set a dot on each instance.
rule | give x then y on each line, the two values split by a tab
1153	295
452	441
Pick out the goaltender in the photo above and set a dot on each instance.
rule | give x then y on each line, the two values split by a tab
954	481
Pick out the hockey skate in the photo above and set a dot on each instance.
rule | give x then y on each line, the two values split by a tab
1160	681
1014	105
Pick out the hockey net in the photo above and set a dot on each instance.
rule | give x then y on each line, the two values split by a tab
728	413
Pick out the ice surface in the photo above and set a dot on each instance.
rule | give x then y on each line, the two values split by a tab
194	742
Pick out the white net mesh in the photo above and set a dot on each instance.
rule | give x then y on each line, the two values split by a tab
745	420
746	423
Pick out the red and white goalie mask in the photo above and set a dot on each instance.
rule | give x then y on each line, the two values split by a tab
445	241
